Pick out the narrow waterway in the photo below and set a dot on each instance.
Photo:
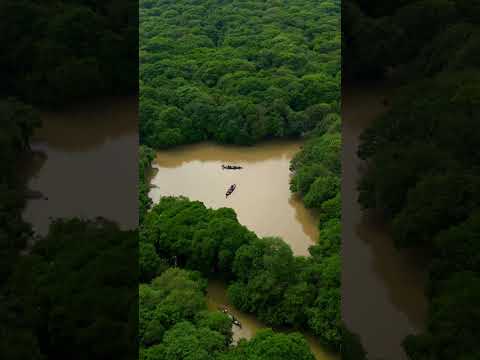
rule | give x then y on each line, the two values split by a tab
85	164
262	201
383	296
217	298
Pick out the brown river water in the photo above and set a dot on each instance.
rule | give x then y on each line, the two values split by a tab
262	201
383	296
85	163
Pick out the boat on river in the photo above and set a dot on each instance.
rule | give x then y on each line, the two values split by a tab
231	167
230	190
235	321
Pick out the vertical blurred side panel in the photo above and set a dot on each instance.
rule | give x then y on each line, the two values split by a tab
69	180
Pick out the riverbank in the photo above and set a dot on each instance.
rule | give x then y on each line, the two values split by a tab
262	201
217	297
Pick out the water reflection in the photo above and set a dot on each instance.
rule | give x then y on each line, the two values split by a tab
383	296
86	164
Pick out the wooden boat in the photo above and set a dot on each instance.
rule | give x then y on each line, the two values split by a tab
230	190
231	167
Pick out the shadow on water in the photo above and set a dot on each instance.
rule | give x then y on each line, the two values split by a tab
85	163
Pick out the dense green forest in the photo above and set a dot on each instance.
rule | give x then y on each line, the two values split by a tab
236	71
265	277
74	293
174	323
424	168
73	296
61	51
17	123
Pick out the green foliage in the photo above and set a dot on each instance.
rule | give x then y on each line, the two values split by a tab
17	123
199	238
453	311
84	49
145	158
424	167
267	345
316	177
174	324
236	71
352	348
266	278
150	263
75	294
316	169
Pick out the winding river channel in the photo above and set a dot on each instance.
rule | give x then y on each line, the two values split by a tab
383	296
382	289
262	200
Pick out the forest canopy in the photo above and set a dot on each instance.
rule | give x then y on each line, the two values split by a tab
265	277
239	72
423	154
56	52
236	71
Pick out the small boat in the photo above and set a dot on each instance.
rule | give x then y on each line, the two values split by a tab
237	323
230	190
231	167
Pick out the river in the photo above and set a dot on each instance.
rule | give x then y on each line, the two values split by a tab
262	200
383	297
85	164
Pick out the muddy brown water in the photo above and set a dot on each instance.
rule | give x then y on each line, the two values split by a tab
262	201
85	163
217	297
383	296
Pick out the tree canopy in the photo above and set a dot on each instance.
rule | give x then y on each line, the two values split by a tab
84	49
236	71
424	163
265	277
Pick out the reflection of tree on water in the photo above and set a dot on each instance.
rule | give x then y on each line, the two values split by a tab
403	271
375	274
87	126
69	167
306	217
234	154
